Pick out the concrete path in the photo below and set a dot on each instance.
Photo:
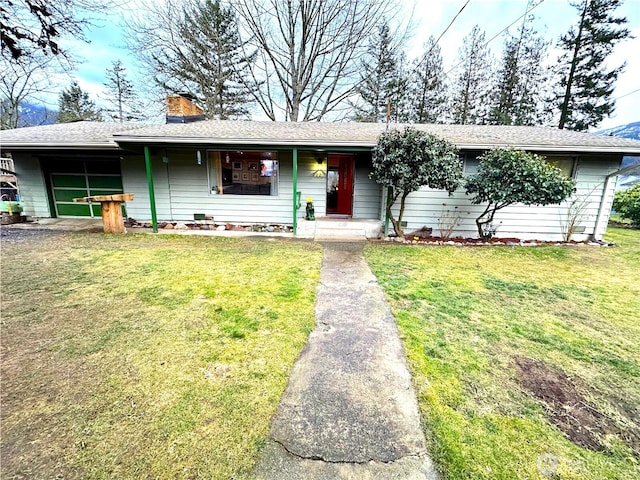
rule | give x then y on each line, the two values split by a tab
349	410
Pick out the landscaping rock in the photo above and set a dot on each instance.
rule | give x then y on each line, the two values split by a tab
168	226
181	226
221	228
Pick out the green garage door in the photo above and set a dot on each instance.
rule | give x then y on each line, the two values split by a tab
78	178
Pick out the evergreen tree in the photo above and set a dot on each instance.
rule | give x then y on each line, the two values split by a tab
585	83
381	81
470	96
122	97
211	32
74	105
194	46
517	98
427	90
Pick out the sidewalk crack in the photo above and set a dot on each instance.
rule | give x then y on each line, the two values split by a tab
342	462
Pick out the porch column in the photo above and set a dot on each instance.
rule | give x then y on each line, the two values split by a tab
152	196
295	191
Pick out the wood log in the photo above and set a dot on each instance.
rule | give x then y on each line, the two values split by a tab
112	220
111	209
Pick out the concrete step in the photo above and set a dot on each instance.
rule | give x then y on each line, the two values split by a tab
328	228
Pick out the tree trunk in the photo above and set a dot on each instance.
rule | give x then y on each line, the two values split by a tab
483	220
564	109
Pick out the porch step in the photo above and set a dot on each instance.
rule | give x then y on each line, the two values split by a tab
326	228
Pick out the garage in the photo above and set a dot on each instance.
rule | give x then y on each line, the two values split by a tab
82	178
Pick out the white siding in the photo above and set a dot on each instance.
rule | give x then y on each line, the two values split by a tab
181	189
425	207
134	180
312	182
31	184
367	194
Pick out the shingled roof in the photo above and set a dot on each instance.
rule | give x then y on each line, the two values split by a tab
66	135
316	134
307	134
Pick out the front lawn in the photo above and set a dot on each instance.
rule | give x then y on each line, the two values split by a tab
143	356
526	360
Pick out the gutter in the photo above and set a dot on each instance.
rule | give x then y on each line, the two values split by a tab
607	184
66	146
288	142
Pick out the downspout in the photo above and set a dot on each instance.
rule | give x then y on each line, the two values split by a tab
152	196
295	191
607	183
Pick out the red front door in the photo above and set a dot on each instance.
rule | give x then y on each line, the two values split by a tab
340	184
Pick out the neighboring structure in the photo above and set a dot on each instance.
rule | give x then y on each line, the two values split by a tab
263	172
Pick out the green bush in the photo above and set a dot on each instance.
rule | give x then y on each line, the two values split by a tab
507	176
404	161
627	203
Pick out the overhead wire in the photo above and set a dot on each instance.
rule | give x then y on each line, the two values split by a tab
443	32
527	11
627	94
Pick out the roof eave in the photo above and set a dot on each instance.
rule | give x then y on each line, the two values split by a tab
60	146
366	144
246	141
556	148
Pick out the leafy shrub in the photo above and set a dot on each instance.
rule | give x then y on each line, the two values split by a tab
404	161
627	203
507	176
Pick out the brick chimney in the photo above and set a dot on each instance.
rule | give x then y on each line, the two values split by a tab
181	109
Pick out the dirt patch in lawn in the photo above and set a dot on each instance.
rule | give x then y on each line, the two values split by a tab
567	408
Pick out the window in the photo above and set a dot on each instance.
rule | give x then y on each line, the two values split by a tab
243	172
565	164
470	163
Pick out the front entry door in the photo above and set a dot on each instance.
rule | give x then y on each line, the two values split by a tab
340	184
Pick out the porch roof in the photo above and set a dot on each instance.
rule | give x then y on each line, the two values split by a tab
335	135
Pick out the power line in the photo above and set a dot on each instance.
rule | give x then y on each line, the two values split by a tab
442	34
497	34
627	94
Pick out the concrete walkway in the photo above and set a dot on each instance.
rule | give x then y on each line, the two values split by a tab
349	410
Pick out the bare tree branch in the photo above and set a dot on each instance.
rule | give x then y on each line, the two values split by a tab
310	51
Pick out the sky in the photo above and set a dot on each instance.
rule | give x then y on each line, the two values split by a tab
427	17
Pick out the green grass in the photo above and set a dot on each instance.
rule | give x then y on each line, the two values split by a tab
465	315
139	356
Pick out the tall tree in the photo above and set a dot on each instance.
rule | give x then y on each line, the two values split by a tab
31	27
21	83
427	89
75	105
122	99
471	90
517	97
585	83
382	83
309	52
196	47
